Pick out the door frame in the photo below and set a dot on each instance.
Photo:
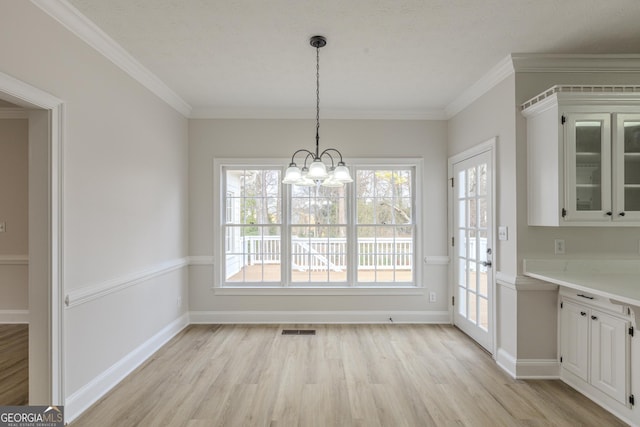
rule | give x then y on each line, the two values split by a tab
46	273
489	145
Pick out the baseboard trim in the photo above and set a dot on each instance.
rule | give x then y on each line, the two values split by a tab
506	361
86	396
89	293
207	317
528	369
14	316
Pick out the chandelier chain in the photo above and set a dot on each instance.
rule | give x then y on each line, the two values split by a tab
317	100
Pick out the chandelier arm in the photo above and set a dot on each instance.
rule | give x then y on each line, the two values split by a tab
326	153
302	150
309	154
332	149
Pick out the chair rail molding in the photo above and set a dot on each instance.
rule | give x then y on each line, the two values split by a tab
79	296
14	259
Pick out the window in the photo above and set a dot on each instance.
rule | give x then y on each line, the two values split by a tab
254	203
276	235
384	205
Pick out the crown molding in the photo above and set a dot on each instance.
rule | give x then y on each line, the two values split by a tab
575	63
25	95
303	113
495	75
71	18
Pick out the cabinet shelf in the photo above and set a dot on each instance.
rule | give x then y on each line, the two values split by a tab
588	186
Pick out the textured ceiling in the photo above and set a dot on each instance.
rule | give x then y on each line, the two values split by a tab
404	56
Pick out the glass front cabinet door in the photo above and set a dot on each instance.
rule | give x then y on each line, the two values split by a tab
588	167
626	168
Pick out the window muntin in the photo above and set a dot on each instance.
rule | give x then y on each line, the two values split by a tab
275	235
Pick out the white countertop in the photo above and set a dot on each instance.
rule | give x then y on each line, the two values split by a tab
618	280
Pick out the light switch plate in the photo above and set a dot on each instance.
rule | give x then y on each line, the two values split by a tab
503	232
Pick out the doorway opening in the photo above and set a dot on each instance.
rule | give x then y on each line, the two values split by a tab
45	307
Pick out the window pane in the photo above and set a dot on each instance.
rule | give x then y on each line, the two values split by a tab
462	302
588	159
319	254
300	211
367	254
365	209
318	205
385	254
461	184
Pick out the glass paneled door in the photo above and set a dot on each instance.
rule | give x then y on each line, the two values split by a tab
472	247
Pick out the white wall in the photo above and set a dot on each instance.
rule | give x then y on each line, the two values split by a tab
14	205
125	195
493	115
280	138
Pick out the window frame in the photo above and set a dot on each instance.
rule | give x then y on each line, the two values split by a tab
285	286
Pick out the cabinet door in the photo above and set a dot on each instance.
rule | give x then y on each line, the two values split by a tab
626	168
609	350
588	167
574	339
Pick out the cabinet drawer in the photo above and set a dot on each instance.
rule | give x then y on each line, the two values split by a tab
592	300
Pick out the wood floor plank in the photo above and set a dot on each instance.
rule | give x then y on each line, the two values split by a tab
345	375
14	364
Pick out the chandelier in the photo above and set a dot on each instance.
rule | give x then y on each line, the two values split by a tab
324	168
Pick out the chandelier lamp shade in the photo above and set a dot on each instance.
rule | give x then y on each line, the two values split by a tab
326	168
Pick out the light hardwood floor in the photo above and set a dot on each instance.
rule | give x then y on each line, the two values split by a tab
346	375
14	365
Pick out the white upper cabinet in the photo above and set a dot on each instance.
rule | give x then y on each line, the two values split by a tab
583	156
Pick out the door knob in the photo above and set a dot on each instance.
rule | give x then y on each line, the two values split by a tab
486	263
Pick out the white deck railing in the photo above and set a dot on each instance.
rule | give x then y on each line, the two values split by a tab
323	253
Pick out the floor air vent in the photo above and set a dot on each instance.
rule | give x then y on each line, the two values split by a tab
298	332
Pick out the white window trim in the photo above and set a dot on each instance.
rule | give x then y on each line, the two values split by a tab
311	289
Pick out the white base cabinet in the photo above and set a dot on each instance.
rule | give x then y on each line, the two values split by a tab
595	348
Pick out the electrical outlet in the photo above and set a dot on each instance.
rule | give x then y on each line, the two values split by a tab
558	246
3	227
432	297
